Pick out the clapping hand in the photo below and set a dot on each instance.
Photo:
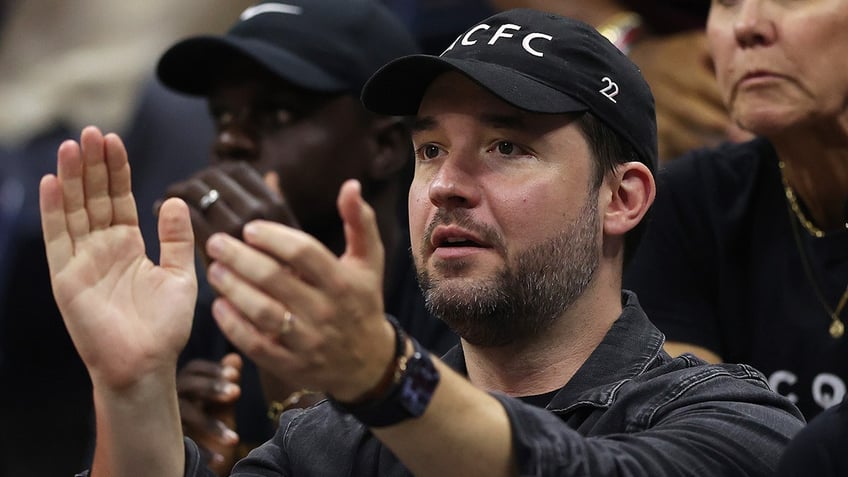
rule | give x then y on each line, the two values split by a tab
127	316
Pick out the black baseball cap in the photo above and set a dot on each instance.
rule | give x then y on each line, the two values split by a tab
535	61
321	45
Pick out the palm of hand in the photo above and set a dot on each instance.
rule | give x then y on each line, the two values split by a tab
119	304
128	318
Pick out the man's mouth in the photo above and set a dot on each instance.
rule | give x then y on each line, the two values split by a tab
454	237
457	242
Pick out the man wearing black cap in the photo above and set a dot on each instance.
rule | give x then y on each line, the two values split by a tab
535	153
283	89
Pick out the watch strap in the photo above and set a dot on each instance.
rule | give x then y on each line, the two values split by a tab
407	398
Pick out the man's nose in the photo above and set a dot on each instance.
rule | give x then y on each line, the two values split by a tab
454	184
236	140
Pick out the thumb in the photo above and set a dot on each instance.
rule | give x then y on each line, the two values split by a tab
360	226
176	238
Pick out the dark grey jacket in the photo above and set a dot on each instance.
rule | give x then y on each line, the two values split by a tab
630	410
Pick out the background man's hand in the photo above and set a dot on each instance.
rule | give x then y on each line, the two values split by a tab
243	194
208	392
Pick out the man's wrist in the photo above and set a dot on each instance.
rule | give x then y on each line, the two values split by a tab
403	392
394	369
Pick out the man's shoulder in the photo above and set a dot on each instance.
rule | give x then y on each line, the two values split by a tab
687	381
686	369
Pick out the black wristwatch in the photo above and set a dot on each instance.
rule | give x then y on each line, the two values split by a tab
407	398
417	384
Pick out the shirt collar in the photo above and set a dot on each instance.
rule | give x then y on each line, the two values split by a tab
629	348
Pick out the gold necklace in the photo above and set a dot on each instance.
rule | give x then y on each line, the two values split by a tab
796	208
837	327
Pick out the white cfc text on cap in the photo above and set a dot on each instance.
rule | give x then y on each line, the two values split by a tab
502	32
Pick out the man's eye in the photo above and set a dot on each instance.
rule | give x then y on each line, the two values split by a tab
430	151
506	148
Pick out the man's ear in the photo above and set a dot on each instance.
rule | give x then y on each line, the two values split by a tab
393	146
632	190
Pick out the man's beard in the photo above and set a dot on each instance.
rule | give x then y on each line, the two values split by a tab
528	294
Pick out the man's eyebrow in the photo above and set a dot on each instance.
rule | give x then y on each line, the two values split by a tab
498	121
504	121
425	123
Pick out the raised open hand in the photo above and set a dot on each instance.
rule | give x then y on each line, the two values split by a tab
302	313
127	316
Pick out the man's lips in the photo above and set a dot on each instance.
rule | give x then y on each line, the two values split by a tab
452	236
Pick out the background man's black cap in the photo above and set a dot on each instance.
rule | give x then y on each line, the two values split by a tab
537	62
320	45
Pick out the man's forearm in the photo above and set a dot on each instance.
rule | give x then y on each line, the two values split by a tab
138	429
464	431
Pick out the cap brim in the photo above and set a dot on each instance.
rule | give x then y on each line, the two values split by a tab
192	66
398	87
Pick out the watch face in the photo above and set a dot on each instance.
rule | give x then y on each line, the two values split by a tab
418	384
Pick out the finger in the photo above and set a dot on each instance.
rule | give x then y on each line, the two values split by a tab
70	172
190	191
176	239
244	206
232	366
218	216
268	315
261	348
264	312
272	181
266	265
207	388
242	201
267	189
202	229
58	244
203	429
98	203
202	367
192	416
360	226
124	210
304	253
